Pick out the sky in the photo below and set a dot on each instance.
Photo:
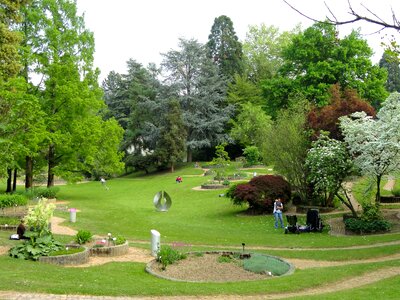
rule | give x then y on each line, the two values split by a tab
141	30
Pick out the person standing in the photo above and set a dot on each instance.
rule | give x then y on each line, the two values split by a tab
278	209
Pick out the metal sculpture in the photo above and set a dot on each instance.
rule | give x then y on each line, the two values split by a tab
162	201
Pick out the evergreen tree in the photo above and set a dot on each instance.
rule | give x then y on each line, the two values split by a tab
201	92
224	47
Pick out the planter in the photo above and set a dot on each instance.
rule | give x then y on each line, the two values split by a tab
69	259
390	199
116	250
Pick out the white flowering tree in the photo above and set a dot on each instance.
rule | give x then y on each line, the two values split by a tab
375	143
329	164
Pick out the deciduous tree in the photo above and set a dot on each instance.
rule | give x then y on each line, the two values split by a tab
375	143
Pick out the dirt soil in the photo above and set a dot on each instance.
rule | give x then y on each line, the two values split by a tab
205	268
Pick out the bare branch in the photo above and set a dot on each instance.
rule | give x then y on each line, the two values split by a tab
375	19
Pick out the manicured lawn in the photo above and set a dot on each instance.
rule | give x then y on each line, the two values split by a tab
202	221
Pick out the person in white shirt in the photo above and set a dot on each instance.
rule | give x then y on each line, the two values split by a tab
278	208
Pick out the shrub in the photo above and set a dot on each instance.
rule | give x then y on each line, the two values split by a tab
252	155
36	246
120	240
260	192
50	192
9	200
167	255
396	192
83	236
363	226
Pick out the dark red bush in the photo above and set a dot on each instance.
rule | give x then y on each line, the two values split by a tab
261	192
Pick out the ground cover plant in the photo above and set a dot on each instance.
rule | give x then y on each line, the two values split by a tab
200	219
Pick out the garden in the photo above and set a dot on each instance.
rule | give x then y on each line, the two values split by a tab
201	222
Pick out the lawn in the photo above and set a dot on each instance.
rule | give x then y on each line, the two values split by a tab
200	219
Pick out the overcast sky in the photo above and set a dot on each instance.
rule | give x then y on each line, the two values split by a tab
141	30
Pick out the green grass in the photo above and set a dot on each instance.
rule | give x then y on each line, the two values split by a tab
199	221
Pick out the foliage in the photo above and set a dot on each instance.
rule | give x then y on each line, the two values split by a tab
39	216
288	144
37	245
342	103
220	161
10	200
261	192
9	220
375	143
60	50
396	192
171	146
242	91
167	256
262	51
329	163
224	47
251	128
49	192
252	155
316	59
83	237
391	64
201	93
120	240
363	226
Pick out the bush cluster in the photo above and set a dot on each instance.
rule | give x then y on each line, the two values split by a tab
83	236
44	192
9	200
364	226
260	192
371	221
167	256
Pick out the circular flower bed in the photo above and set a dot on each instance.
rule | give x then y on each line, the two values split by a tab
68	259
221	266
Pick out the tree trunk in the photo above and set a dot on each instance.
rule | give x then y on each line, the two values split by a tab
172	168
14	186
9	177
51	165
189	155
28	172
378	189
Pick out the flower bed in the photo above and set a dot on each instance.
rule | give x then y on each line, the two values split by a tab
214	186
69	259
106	249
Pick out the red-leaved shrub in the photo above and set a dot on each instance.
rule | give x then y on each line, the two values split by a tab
261	192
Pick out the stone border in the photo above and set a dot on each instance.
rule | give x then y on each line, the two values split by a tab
69	259
154	261
214	186
116	250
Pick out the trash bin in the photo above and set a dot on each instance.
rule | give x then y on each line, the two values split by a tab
72	215
155	242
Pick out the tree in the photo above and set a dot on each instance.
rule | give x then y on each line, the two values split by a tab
342	103
391	64
375	143
252	128
329	163
317	59
59	50
224	47
367	16
171	146
262	51
201	92
287	146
